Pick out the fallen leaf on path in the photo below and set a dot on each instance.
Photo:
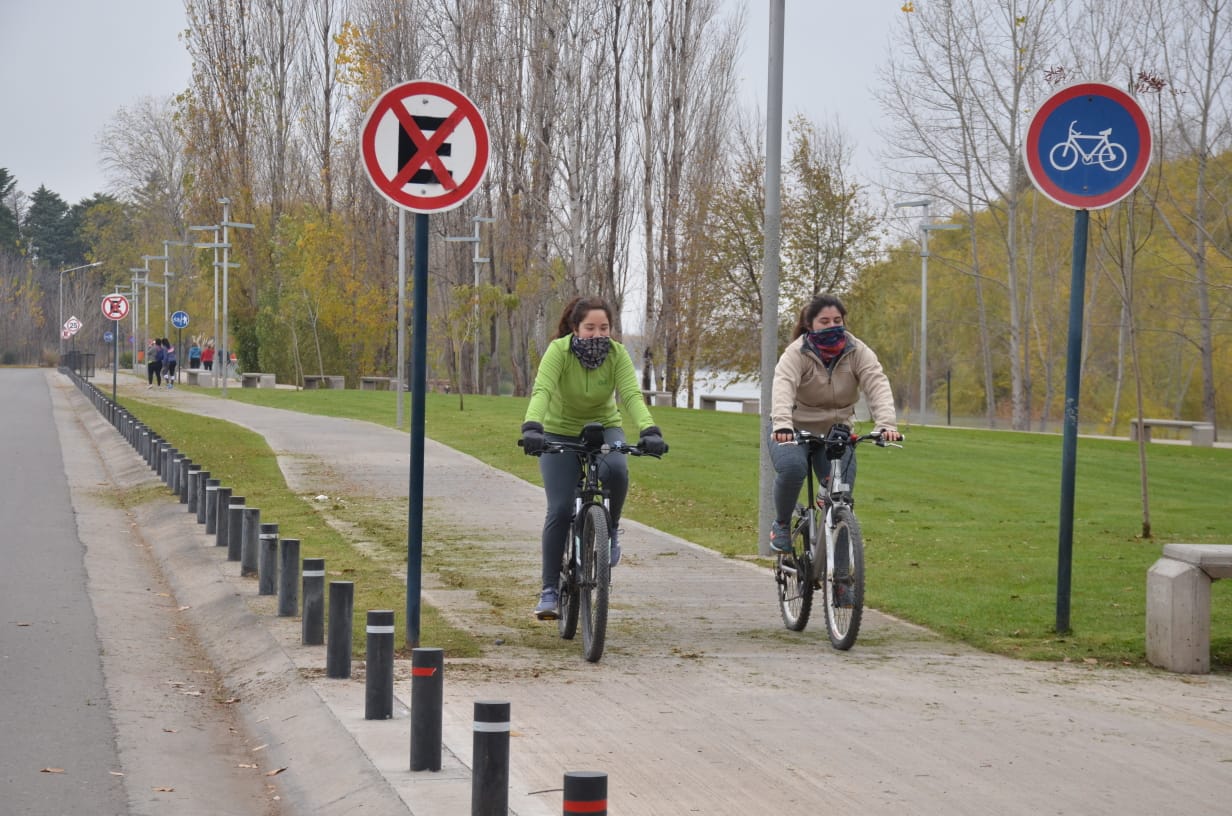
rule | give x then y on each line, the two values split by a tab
231	700
171	731
275	772
52	770
23	623
163	789
116	773
260	747
247	765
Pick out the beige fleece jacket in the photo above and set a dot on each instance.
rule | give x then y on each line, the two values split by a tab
806	396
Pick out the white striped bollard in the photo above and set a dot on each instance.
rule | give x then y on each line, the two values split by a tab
211	507
490	764
267	560
427	698
235	519
313	624
222	509
379	671
288	577
585	792
341	613
250	542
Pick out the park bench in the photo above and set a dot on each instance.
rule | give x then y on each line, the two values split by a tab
1178	605
193	375
710	402
250	379
657	397
374	383
324	381
1201	434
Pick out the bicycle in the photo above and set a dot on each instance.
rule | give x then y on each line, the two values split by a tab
586	568
1109	155
838	570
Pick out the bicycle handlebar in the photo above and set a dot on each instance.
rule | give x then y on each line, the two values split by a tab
854	439
582	447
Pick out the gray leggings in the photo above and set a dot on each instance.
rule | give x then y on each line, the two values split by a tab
560	473
791	469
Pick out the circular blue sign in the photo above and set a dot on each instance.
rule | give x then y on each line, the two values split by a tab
108	337
1088	146
180	320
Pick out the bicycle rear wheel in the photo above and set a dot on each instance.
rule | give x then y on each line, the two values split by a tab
844	583
792	575
594	581
567	590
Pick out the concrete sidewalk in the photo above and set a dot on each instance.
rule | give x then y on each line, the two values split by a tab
703	703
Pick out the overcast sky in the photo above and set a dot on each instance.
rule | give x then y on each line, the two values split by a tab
69	65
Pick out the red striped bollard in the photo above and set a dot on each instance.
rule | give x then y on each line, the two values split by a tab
585	792
427	699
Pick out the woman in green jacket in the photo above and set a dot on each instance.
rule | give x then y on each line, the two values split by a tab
578	377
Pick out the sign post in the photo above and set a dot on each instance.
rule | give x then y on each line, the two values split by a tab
425	147
115	308
1087	147
180	321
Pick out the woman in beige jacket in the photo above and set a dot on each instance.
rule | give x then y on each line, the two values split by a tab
817	383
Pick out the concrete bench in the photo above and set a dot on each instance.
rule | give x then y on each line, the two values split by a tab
324	381
657	397
374	383
254	380
1178	605
194	376
748	405
1201	434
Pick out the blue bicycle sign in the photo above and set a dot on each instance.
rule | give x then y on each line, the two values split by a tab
1102	151
1088	146
180	320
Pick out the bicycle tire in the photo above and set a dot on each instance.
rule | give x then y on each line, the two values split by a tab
567	592
843	622
594	581
1063	156
792	574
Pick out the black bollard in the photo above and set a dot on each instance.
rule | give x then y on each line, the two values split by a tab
190	487
267	560
341	613
427	698
288	577
379	675
313	624
211	506
181	481
585	792
203	479
250	543
235	527
490	765
221	509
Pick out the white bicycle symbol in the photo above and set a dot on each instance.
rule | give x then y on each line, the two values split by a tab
1109	155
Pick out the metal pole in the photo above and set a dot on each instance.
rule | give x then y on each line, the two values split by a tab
770	265
1069	442
924	323
419	368
401	378
226	354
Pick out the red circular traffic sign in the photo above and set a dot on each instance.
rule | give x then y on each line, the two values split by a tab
425	146
115	307
1088	146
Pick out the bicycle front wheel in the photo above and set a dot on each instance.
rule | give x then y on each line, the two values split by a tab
792	575
844	583
594	581
567	590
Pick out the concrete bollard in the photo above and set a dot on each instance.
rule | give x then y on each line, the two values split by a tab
313	624
211	506
203	479
181	480
585	792
490	764
288	577
250	543
341	614
379	674
267	560
174	457
235	527
223	503
194	489
427	697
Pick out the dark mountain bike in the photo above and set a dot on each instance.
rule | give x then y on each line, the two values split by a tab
586	568
827	545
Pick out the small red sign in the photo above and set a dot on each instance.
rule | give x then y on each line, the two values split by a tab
115	307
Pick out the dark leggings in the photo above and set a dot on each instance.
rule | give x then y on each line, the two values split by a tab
154	371
791	469
560	473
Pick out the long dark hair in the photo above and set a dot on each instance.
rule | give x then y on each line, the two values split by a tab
577	309
809	313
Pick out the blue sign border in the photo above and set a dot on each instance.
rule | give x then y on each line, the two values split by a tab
1069	157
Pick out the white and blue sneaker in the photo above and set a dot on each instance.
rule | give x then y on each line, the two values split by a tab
549	605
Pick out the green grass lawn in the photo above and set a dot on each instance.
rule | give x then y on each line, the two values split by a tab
961	525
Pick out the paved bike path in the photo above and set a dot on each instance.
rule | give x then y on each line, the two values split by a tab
704	704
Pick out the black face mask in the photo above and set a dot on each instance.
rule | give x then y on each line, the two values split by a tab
591	351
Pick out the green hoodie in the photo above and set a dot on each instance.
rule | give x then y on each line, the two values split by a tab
567	395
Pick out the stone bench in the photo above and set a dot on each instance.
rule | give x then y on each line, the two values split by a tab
374	383
254	380
657	397
324	381
194	376
1178	605
710	402
1201	434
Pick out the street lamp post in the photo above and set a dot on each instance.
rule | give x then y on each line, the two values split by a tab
62	271
214	245
476	259
926	226
226	223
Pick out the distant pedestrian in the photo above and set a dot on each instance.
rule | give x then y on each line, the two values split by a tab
207	357
168	363
194	355
153	363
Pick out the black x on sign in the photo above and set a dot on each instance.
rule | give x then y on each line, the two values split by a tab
425	146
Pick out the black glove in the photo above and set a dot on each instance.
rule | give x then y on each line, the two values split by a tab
652	441
533	441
